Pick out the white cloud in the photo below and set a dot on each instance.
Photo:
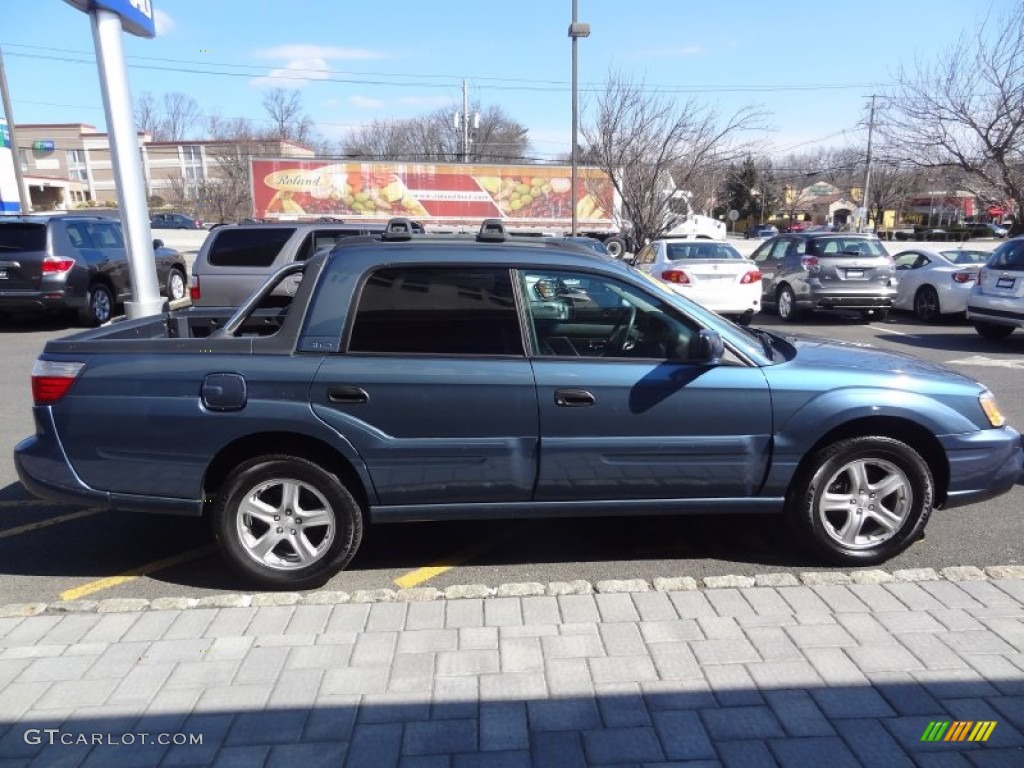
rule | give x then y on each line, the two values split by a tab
304	64
297	73
363	102
300	51
164	22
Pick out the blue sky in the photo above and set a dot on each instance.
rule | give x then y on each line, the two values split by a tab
811	65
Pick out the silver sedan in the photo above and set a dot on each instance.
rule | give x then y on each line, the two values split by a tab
936	283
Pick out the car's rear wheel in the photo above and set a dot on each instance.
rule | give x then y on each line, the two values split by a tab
99	307
862	500
926	304
616	247
786	304
284	522
176	284
993	330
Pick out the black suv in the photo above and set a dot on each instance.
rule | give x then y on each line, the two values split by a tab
69	262
823	270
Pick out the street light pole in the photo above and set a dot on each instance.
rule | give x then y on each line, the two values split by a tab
867	174
576	31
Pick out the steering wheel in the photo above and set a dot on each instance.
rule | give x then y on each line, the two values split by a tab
621	333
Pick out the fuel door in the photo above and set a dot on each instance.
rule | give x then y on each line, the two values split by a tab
223	392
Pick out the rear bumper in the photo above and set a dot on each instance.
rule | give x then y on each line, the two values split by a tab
875	300
982	465
1002	310
38	301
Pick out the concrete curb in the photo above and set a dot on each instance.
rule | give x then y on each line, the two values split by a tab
482	591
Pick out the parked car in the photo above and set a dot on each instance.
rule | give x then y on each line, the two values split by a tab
987	230
411	379
819	270
236	258
174	221
996	303
588	242
797	226
75	262
712	273
936	283
760	230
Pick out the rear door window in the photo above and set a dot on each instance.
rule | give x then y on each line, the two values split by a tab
252	247
16	237
1009	256
106	235
78	234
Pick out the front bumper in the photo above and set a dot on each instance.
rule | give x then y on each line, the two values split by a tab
982	465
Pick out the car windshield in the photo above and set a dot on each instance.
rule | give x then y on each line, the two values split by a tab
967	257
845	246
701	249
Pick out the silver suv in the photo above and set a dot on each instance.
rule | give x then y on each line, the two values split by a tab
75	262
817	270
235	259
996	303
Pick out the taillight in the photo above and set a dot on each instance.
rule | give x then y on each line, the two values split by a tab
810	263
51	380
677	276
964	277
753	276
54	265
193	289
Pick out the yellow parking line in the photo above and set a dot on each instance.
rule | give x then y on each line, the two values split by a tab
48	522
421	575
143	570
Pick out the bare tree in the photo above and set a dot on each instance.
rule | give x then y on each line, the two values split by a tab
966	109
181	114
147	116
641	139
288	118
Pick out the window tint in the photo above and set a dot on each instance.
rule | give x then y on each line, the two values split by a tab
78	234
441	311
1008	256
696	249
846	246
106	235
255	247
19	238
583	315
327	238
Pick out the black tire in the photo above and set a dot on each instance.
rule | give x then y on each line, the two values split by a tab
176	281
280	567
993	330
99	307
785	305
833	469
926	304
616	247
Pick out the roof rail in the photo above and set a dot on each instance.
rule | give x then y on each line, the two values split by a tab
492	231
398	228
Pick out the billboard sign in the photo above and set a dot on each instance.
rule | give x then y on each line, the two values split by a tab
136	15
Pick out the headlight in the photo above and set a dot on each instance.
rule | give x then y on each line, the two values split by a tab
988	404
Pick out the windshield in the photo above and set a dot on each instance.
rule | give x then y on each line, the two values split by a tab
845	246
701	249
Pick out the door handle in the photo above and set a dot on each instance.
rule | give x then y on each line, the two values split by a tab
573	398
347	395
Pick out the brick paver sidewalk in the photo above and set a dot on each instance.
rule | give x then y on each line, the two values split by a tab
810	674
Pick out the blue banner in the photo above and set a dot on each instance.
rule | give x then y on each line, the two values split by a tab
136	15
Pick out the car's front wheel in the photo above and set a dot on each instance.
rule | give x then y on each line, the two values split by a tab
862	500
284	522
993	330
786	303
926	304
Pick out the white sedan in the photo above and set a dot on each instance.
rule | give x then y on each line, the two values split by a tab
712	273
936	283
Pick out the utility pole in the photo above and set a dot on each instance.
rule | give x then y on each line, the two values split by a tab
576	31
465	122
26	206
867	173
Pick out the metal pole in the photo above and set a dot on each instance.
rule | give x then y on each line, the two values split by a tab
867	175
575	160
465	122
23	197
124	151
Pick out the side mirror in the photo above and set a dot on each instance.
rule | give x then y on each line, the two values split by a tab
710	347
158	243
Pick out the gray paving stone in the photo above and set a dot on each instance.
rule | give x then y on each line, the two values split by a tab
230	648
803	600
214	729
149	626
735	651
412	672
729	602
320	755
745	754
766	601
51	669
24	652
348	617
425	616
799	753
820	636
732	685
190	624
290	641
296	689
259	728
375	746
690	605
1005	735
386	617
798	713
689	694
190	674
455	698
423	640
617	607
909	621
622	745
307	620
1013	587
720	628
976	642
374	649
872	659
76	693
394	707
876	597
578	628
29	632
231	698
478	638
503	612
110	628
1012	708
18	698
956	619
622	669
950	594
262	665
143	683
674	661
954	683
521	654
456	663
912	595
568	677
840	599
903	693
564	750
683	735
670	631
332	719
929	648
999	671
773	644
365	680
835	667
1011	630
540	611
563	715
572	646
503	726
70	629
987	593
622	639
771	675
464	613
515	686
865	628
439	737
622	705
578	608
508	759
838	703
654	606
737	723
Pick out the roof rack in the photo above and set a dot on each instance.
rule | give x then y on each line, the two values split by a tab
492	231
398	228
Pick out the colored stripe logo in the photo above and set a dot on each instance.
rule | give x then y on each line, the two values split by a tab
958	730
